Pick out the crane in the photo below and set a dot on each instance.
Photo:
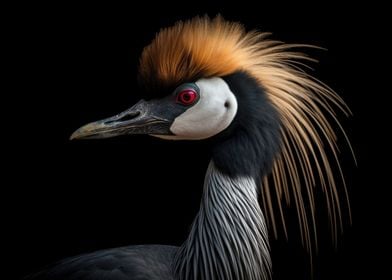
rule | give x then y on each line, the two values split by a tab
208	79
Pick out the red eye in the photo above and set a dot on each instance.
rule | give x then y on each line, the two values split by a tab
187	97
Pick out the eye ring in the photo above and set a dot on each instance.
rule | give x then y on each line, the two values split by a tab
187	97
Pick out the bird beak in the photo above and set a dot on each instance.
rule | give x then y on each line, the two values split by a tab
145	117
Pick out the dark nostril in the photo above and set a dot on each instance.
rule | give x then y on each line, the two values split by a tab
227	104
127	117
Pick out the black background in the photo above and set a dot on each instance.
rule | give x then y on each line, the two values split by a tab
79	64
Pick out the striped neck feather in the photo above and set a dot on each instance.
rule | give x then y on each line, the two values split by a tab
229	238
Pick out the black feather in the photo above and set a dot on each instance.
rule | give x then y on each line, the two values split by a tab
249	145
144	262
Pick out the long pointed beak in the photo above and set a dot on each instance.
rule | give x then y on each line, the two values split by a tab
145	117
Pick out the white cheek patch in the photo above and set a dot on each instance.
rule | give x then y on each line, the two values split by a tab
213	113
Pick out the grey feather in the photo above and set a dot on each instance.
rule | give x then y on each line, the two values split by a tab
228	239
144	262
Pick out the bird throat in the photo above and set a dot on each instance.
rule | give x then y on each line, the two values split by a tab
228	239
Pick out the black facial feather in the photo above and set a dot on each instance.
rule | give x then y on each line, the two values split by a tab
249	145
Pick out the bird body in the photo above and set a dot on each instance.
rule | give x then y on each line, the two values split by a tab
213	250
262	117
152	262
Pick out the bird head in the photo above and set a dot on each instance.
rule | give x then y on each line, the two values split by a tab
195	81
211	79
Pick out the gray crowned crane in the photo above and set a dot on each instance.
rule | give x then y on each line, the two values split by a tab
268	124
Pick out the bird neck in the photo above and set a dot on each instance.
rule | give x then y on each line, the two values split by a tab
228	239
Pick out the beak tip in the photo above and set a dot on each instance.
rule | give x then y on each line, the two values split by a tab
75	135
72	137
